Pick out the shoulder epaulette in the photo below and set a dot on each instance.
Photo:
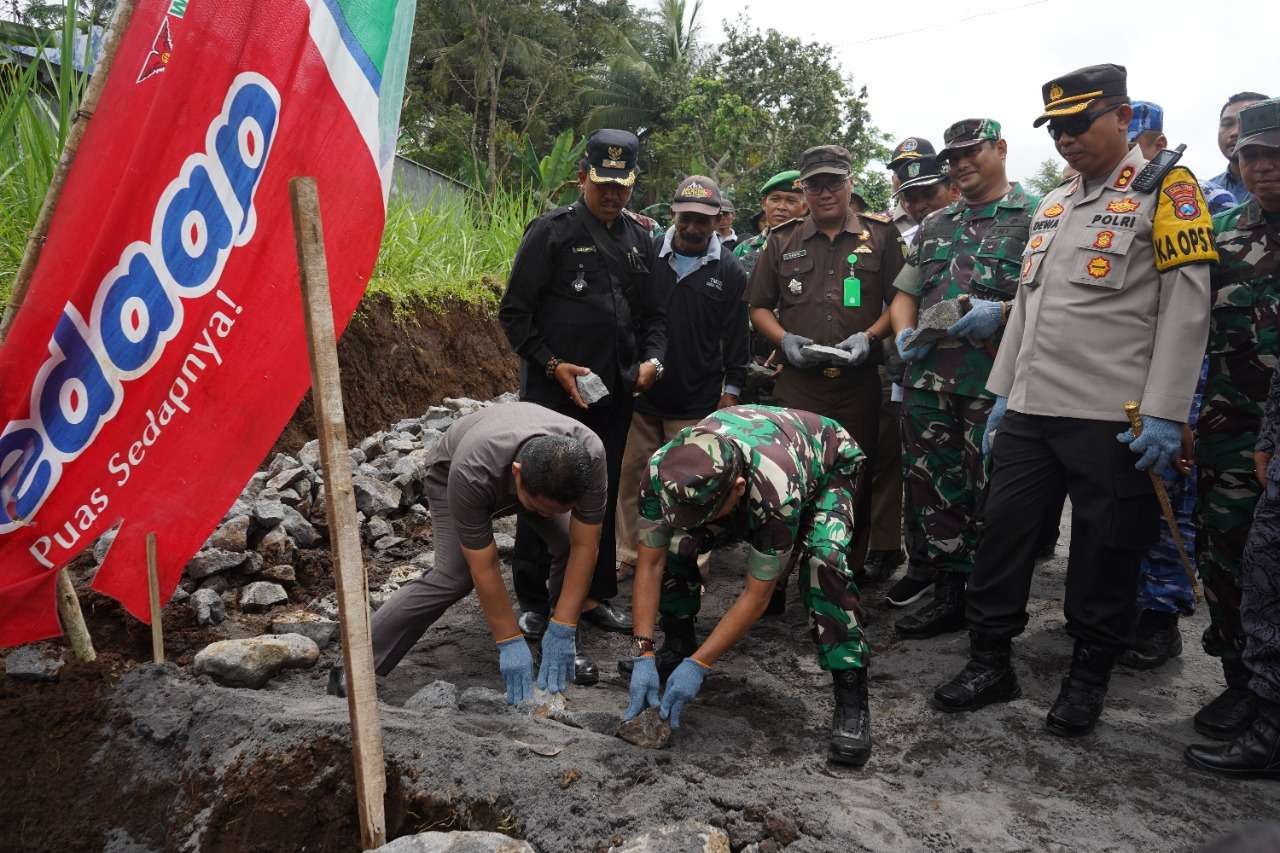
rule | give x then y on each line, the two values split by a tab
876	217
789	223
559	211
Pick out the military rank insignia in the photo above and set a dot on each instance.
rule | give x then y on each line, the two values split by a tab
1124	178
795	287
1122	205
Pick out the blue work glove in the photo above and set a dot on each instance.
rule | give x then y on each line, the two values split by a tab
644	686
516	663
682	686
859	347
980	322
793	351
993	422
559	648
1159	444
914	353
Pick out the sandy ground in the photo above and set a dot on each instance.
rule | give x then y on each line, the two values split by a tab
224	769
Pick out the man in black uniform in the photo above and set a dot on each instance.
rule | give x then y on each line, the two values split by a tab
579	301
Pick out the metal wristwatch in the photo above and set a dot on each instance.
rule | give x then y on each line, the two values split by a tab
657	368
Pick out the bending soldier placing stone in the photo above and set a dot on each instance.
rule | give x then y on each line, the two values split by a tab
520	458
780	480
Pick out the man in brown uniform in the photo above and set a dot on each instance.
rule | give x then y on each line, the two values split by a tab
827	276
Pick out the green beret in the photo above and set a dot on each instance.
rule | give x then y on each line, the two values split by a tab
782	181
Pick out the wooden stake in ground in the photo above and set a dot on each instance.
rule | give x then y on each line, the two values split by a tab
344	531
153	588
69	612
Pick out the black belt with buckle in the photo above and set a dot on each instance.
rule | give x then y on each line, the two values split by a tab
832	372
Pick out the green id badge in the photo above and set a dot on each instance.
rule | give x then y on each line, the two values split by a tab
852	287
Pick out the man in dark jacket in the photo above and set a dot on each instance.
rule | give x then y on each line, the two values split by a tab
578	302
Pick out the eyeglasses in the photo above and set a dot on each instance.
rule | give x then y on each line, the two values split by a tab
814	186
1077	125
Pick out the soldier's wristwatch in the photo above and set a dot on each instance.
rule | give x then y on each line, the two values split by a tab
641	646
657	366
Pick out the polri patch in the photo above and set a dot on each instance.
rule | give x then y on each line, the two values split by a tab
1099	267
1122	205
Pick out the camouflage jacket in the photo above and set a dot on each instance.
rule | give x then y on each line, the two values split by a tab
967	249
748	251
1245	291
791	456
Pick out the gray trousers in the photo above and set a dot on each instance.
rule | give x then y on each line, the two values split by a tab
1260	598
415	607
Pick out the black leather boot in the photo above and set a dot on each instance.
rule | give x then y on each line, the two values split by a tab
942	615
1229	715
988	677
1079	703
1255	754
585	671
679	641
1158	640
880	566
851	723
777	601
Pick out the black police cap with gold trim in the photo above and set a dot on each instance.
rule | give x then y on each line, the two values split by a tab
1072	93
611	157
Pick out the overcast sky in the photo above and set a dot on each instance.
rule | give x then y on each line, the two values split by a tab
1187	57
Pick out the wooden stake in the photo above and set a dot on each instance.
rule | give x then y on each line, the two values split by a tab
344	531
69	612
153	588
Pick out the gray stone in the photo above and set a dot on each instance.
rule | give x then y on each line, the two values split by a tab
286	478
320	630
374	497
372	446
506	544
218	584
254	487
482	700
280	462
386	543
252	662
232	535
399	445
103	545
419	512
401	575
33	663
288	497
282	573
436	696
469	841
457	404
688	836
426	560
592	388
276	547
933	323
647	730
179	595
213	561
413	426
326	606
268	512
835	353
262	595
380	596
357	456
379	527
309	455
299	529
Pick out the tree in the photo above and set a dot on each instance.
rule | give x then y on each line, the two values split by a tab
1048	176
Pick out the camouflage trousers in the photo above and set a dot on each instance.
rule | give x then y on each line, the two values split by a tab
1260	602
826	582
1163	585
944	473
1228	493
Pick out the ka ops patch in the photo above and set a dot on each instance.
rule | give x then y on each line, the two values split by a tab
1182	230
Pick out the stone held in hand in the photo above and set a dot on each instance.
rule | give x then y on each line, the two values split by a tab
831	352
933	322
591	388
647	730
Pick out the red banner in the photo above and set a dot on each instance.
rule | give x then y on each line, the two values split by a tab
160	349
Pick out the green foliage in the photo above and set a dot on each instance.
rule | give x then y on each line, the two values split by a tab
1048	176
455	248
874	186
554	177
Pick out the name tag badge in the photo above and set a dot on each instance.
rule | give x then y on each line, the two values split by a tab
791	256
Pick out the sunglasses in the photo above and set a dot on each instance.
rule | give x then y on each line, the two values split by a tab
1077	125
817	187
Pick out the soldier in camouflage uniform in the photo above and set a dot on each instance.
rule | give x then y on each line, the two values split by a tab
1243	349
971	248
785	482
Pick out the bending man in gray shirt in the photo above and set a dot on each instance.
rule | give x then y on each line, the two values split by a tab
517	457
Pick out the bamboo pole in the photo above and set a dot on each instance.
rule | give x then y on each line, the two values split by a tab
69	612
344	531
153	591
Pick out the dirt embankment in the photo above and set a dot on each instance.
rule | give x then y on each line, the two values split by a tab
396	362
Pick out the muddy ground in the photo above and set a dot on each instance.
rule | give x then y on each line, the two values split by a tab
127	757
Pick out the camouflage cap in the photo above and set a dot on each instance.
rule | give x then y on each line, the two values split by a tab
1146	116
825	160
968	132
909	149
1260	124
696	472
788	180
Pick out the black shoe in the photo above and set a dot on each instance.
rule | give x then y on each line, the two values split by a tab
907	590
679	641
942	615
880	566
608	618
1079	703
777	601
585	672
337	685
532	624
1228	716
851	723
1255	754
1158	640
987	678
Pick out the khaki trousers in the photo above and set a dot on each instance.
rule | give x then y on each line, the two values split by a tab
647	434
